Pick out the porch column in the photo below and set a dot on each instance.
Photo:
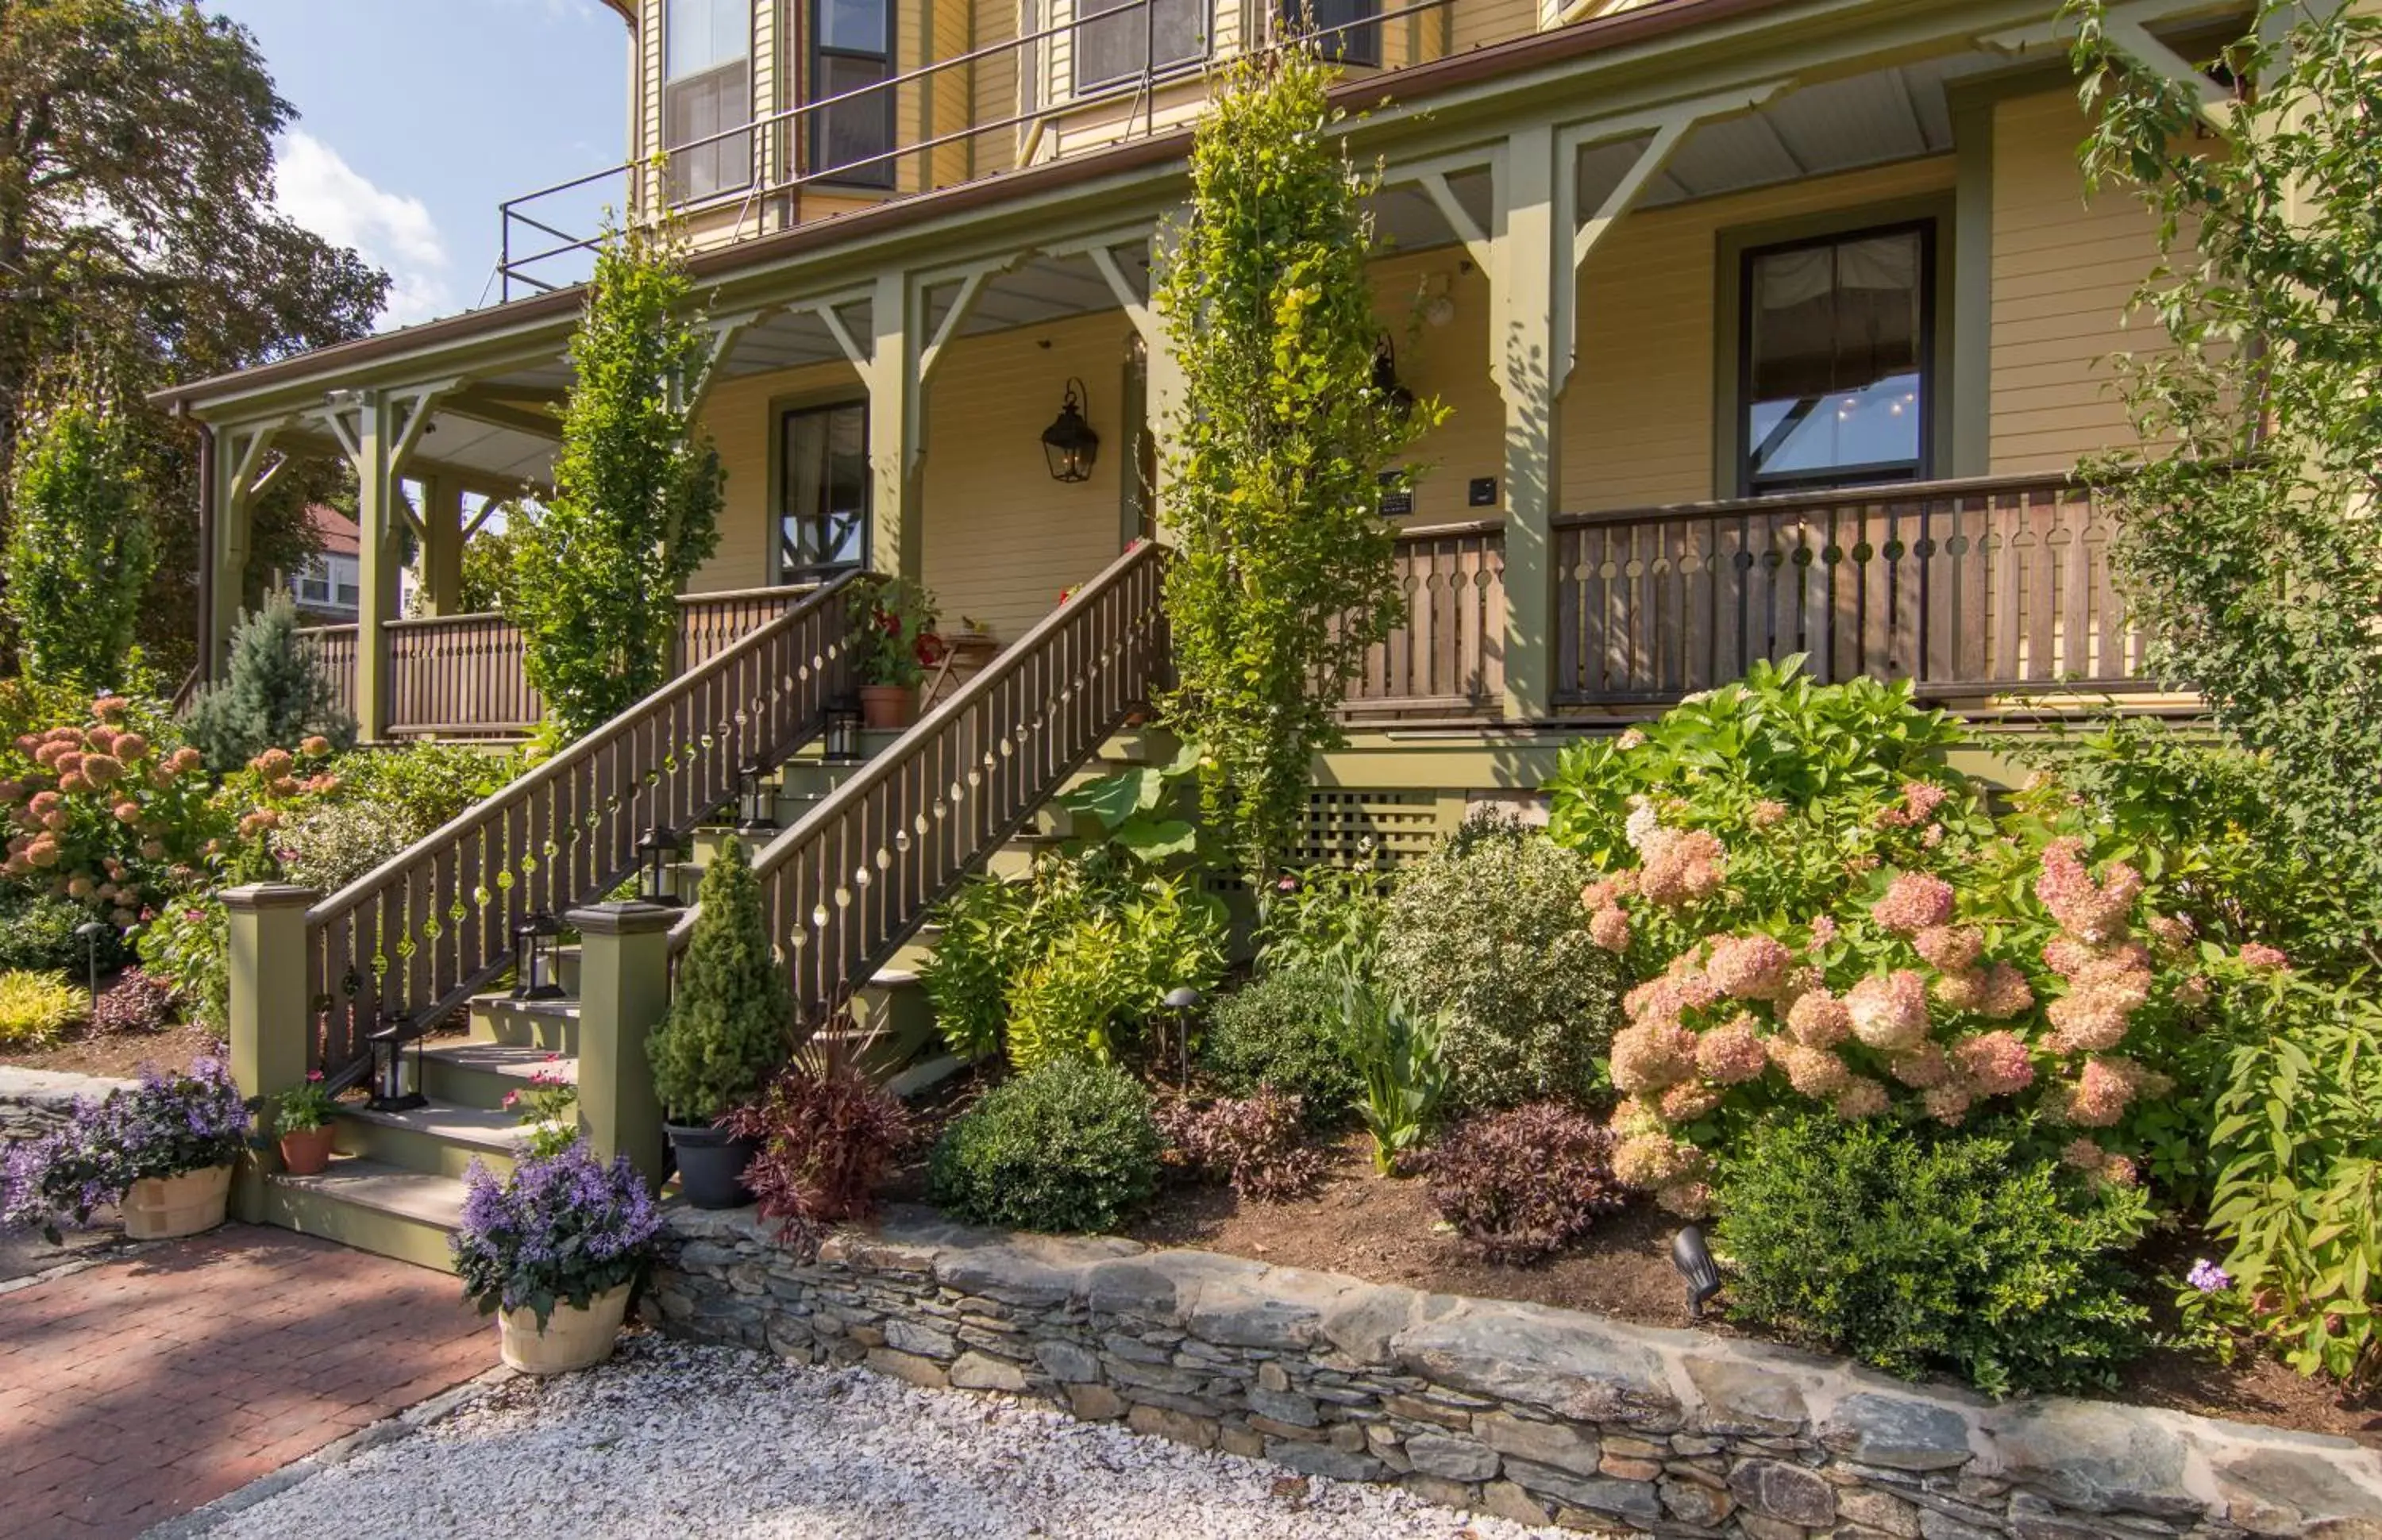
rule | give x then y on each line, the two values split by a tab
245	469
379	429
1528	357
442	545
896	432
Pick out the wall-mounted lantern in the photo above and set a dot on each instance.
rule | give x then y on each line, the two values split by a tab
844	719
758	808
1069	443
1385	379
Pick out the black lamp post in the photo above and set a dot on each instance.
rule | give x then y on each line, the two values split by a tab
759	805
537	943
397	1085
1069	443
843	728
90	930
1181	1002
1694	1261
659	851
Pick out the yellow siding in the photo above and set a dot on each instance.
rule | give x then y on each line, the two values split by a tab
993	87
1001	538
1636	420
950	23
743	422
1451	364
1477	22
2063	272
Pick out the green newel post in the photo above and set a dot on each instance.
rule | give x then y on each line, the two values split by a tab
269	1009
623	994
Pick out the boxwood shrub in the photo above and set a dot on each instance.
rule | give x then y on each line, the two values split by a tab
1070	1147
1285	1029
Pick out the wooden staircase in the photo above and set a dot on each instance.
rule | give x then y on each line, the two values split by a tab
1058	700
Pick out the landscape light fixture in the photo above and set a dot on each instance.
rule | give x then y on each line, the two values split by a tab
537	944
90	930
1181	1002
1069	443
1385	378
1694	1261
397	1082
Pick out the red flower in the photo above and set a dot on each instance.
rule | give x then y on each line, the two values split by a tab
928	649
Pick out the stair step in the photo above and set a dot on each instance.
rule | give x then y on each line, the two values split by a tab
549	1026
373	1206
478	1073
440	1138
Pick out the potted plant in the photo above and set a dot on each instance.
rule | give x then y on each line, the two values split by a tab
893	645
726	1035
553	1251
161	1151
301	1120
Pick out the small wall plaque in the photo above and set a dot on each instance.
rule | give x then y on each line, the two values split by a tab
1396	505
1480	492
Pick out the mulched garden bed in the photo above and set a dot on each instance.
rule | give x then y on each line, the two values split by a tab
119	1055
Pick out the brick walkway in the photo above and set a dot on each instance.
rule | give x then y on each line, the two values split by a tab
142	1388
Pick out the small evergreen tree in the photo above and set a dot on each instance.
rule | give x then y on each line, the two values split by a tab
727	1028
80	549
637	493
1285	576
273	696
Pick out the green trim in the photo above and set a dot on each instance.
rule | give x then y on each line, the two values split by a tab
1728	317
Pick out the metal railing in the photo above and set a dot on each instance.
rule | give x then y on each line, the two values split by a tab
781	144
413	939
843	888
1982	586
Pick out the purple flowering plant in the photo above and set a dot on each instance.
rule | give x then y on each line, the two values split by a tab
166	1124
560	1230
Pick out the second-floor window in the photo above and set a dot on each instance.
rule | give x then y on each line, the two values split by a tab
852	138
1345	30
707	89
1837	387
1116	39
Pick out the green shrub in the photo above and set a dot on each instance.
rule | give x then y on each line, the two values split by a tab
189	945
423	784
274	694
727	1031
1918	1253
1286	1031
35	1007
991	929
1327	918
80	545
37	935
1487	930
327	845
1070	1147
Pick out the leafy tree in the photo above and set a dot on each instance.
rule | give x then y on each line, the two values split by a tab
2247	541
488	560
637	491
82	549
137	223
1284	575
729	1023
274	695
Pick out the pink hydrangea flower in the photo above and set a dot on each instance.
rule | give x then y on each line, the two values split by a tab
1766	814
2089	910
1689	1200
1685	1104
1813	1071
1961	991
1732	1053
1820	1020
1824	933
1651	1056
1920	800
1995	1063
1655	1161
2083	1154
1609	928
1749	967
1913	901
1862	1097
2007	994
2172	932
2265	958
1889	1011
1923	1067
1953	948
1948	1104
1682	866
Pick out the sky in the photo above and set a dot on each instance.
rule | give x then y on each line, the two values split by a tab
418	117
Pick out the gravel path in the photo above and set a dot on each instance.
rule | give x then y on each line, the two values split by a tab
675	1440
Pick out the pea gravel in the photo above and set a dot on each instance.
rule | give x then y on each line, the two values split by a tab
670	1439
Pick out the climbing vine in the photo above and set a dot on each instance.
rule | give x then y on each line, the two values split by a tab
637	490
82	549
1280	455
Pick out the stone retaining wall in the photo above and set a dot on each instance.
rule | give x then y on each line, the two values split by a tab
32	1102
1519	1410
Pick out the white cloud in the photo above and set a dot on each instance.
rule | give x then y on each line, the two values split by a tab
325	194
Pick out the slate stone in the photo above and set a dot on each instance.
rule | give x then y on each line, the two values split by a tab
2290	1486
1635	1500
1559	1361
1784	1491
1451	1459
910	1337
1157	1421
1066	1362
1279	1307
2089	1456
1323	1459
1901	1433
1362	1321
1284	1406
1742	1397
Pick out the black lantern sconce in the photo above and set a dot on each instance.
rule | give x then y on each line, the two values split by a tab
1069	443
843	728
397	1081
1694	1261
660	852
537	948
1386	382
89	932
758	803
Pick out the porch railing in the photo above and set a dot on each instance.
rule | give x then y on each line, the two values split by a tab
1969	587
411	940
1449	657
463	676
848	884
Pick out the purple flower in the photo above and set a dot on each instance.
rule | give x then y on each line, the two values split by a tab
2208	1278
561	1228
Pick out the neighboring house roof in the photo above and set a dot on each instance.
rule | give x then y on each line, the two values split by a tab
333	530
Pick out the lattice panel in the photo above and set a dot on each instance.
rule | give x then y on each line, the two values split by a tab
1370	827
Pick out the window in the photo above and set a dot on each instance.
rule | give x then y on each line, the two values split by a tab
854	51
1350	34
315	583
823	491
1115	38
707	89
1836	386
344	581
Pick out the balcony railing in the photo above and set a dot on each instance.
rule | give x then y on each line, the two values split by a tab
463	676
1449	657
1969	587
548	236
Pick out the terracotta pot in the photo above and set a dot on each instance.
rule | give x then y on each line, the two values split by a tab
160	1208
887	705
575	1337
307	1152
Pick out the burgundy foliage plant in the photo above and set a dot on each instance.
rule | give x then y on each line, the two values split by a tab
1522	1183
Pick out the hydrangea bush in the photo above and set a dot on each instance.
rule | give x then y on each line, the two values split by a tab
559	1231
165	1126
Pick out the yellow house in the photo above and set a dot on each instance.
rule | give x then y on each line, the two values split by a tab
1766	326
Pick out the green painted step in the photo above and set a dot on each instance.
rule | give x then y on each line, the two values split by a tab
549	1026
479	1073
441	1138
373	1206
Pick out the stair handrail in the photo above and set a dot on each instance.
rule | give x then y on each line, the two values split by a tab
997	745
415	936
